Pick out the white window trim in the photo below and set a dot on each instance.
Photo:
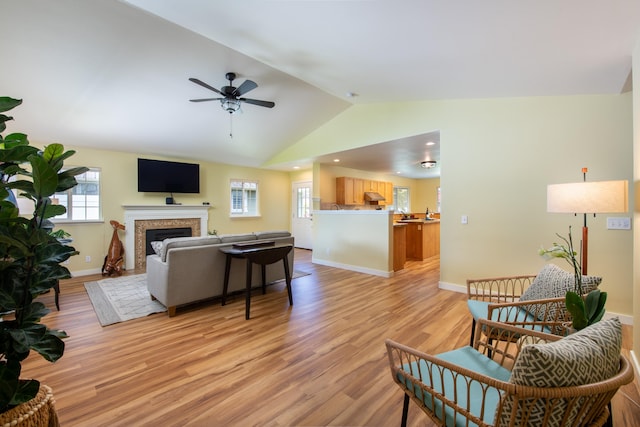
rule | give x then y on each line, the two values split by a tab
255	214
100	218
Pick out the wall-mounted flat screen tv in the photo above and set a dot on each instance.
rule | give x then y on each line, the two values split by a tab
159	176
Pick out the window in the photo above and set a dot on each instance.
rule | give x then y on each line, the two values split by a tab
401	199
244	198
303	202
83	200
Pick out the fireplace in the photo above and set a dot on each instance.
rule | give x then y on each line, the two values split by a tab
159	234
139	219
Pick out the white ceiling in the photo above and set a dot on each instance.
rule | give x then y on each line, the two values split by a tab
114	74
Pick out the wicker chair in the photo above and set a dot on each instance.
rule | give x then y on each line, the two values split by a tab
466	387
483	293
501	299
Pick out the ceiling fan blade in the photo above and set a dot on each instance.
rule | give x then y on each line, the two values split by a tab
267	104
205	99
244	88
203	84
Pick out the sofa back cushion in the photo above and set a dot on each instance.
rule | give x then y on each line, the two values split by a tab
261	235
585	357
232	238
184	242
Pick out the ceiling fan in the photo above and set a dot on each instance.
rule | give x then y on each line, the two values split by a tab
231	96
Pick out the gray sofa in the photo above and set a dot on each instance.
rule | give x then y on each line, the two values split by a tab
188	269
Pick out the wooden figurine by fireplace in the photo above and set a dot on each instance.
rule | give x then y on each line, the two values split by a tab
115	255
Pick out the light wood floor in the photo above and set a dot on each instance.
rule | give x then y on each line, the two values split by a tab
321	362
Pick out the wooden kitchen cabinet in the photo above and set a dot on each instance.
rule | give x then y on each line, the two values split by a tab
388	193
399	247
423	240
349	191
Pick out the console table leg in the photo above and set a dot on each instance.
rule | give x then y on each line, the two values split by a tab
287	276
248	295
227	269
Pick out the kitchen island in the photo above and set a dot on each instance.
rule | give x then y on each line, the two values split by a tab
423	238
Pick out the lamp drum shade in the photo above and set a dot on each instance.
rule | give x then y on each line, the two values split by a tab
588	197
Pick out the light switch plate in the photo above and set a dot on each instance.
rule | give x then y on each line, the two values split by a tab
619	223
464	219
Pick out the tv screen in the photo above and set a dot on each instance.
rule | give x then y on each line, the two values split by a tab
159	176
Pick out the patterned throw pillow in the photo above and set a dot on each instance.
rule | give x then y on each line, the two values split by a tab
157	247
554	282
585	357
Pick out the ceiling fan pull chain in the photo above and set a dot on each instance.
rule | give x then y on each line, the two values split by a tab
231	125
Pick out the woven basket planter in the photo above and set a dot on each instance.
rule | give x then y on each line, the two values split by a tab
38	412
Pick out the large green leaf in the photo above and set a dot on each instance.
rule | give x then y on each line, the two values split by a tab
9	382
575	306
45	178
7	103
15	140
18	154
51	347
27	390
52	151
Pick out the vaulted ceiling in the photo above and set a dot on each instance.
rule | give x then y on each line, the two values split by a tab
114	74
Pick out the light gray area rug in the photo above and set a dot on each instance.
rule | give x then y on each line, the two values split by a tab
122	298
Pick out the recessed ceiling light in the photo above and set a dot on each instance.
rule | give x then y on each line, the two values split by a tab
296	167
431	143
336	160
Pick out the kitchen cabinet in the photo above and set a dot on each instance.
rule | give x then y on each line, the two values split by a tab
388	193
423	239
399	246
349	191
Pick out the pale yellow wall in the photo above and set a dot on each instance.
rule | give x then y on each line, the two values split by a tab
634	295
301	175
356	240
498	156
119	187
425	195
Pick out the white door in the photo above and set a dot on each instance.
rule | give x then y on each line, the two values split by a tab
301	216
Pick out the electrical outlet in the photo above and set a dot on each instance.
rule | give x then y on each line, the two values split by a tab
87	258
619	223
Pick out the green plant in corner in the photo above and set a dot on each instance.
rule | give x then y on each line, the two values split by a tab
584	310
30	256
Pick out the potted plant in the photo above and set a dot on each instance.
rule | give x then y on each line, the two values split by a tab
584	310
30	256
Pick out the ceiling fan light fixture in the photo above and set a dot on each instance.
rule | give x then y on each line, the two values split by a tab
230	105
428	164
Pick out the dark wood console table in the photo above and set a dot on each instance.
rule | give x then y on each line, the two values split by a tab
263	254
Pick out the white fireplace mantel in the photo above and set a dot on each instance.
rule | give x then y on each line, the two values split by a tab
133	213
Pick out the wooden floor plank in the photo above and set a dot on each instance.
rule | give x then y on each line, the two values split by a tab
320	362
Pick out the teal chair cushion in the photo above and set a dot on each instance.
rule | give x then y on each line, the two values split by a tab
480	310
445	381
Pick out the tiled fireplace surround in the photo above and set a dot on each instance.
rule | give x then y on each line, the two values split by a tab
139	218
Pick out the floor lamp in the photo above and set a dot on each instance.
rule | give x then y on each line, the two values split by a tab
588	198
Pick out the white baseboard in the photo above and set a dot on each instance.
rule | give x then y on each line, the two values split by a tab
453	287
355	268
625	319
86	272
